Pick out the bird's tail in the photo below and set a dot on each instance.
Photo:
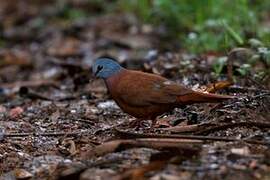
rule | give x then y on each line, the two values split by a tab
200	97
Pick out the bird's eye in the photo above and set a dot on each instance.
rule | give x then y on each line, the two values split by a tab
99	68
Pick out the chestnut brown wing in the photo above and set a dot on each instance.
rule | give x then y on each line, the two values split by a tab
144	89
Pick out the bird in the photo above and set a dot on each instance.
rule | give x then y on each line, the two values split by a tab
146	96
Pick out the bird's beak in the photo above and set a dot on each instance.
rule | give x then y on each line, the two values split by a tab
95	74
98	70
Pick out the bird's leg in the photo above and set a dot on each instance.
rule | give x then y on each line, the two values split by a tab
154	122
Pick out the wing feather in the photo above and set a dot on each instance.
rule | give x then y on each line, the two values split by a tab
142	89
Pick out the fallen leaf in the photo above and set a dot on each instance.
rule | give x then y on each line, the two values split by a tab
212	88
241	151
15	112
14	57
155	143
138	173
22	174
64	47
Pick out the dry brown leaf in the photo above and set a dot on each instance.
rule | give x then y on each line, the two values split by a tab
155	143
22	174
72	148
136	41
212	88
14	57
138	173
65	47
185	128
19	84
16	112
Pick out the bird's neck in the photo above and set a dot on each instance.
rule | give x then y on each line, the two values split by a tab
112	81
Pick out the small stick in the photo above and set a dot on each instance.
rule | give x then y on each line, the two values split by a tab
261	125
126	134
41	134
246	89
185	128
208	127
230	66
19	84
139	172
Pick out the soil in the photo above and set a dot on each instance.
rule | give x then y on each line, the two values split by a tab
54	114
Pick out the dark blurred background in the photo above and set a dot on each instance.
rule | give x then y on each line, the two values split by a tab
41	33
197	26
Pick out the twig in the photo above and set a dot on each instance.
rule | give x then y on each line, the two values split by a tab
172	144
19	84
230	66
126	134
246	89
69	63
86	121
42	134
208	127
204	130
259	85
261	95
25	92
184	128
139	172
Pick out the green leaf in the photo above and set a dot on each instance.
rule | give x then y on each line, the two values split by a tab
219	65
232	33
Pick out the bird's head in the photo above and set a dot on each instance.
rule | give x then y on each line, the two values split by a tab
105	68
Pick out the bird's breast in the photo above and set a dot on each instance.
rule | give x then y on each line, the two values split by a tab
144	112
113	81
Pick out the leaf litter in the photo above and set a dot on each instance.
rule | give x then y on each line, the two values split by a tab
58	122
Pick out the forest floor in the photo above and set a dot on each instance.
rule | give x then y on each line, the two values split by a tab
58	122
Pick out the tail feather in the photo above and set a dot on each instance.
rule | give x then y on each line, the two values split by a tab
199	97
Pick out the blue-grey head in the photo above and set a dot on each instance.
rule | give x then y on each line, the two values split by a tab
105	68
